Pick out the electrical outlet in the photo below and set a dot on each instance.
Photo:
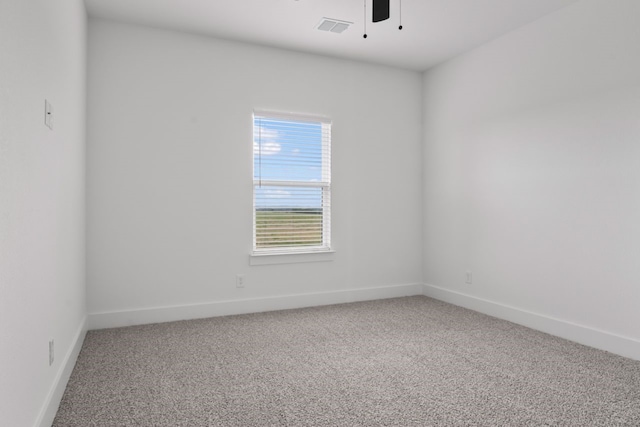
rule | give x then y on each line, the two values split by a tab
48	114
239	280
469	279
51	353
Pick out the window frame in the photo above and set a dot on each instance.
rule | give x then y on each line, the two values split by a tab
325	186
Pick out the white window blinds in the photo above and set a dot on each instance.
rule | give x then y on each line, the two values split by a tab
291	183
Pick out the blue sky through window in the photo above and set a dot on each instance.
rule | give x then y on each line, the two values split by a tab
286	150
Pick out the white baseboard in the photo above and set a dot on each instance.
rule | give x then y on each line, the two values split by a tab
52	402
591	337
115	319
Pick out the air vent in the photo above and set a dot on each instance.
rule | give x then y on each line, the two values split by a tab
333	25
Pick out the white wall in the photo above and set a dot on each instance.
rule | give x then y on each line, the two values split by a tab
532	169
170	169
42	275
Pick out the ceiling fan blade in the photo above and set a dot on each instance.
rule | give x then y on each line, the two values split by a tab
380	10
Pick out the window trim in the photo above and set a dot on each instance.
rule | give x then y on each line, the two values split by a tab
282	252
291	257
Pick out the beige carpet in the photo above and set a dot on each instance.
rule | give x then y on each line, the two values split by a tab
400	362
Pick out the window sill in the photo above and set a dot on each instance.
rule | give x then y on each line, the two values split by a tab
266	258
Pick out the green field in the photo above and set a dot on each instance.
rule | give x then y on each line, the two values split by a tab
275	228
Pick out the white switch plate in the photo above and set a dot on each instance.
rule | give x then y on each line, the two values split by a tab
48	114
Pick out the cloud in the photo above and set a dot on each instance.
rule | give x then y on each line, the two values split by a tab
269	141
276	194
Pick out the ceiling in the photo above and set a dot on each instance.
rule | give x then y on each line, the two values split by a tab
433	30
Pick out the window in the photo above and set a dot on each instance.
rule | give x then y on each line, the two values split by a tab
291	184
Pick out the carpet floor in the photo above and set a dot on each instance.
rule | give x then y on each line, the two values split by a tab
408	361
